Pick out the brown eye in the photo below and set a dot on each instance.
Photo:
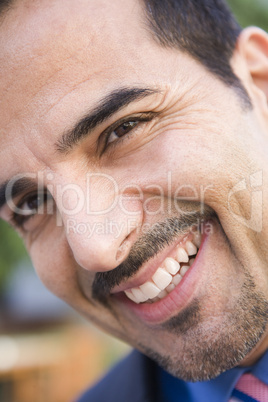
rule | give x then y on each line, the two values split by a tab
30	207
121	130
33	204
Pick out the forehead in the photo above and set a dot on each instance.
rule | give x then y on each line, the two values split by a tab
53	50
49	43
58	59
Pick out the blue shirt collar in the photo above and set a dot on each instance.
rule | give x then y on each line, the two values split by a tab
218	389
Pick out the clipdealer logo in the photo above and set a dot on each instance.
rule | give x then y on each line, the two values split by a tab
101	197
100	194
251	188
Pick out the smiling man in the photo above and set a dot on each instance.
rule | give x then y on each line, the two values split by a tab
133	155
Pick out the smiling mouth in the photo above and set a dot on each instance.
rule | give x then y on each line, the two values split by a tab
168	275
138	280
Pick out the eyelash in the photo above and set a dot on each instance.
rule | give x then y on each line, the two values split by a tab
18	219
141	118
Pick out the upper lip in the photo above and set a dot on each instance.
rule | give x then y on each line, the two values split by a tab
149	268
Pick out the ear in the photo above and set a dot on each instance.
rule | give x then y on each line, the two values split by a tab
252	46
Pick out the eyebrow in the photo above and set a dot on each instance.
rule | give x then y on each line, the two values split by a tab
5	6
108	106
20	186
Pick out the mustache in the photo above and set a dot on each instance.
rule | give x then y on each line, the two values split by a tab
161	235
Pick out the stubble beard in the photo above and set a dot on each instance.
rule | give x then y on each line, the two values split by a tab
206	346
208	349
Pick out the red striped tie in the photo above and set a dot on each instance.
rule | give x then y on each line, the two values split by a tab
250	389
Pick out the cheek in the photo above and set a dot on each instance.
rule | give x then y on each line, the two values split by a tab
54	265
188	161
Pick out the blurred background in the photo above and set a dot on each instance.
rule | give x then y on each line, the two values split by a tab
47	352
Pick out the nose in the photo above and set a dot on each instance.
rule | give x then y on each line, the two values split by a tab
101	237
99	245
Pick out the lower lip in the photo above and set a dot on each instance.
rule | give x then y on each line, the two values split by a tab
175	301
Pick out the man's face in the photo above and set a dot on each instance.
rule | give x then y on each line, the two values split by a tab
166	157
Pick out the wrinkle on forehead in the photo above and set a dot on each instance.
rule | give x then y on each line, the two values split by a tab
48	46
58	62
56	28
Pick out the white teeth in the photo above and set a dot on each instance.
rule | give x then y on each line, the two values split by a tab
176	280
172	266
184	269
162	294
131	296
162	278
191	261
190	248
167	278
170	288
197	239
182	256
150	290
139	295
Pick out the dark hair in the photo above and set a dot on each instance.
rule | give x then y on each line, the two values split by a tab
206	29
4	5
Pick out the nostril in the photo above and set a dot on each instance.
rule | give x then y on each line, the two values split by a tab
124	248
122	251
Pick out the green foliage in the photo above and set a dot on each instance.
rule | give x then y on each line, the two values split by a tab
11	251
250	12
